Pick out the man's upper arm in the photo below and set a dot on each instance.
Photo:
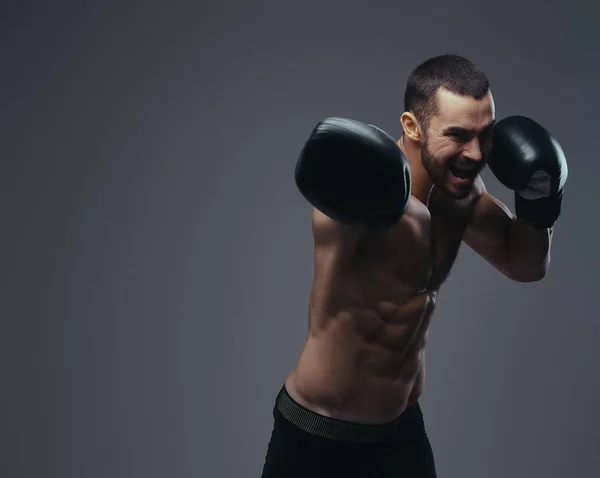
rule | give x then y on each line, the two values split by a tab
330	235
488	229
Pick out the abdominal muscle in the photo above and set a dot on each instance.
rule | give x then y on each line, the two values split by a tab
364	364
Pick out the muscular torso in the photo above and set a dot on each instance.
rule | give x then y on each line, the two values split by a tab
372	301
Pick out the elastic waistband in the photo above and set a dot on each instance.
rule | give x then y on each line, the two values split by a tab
332	428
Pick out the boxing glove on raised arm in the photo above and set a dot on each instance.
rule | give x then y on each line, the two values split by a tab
528	160
355	173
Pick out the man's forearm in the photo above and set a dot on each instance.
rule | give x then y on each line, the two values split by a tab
529	251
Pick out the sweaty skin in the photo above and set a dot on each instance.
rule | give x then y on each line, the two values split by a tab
371	305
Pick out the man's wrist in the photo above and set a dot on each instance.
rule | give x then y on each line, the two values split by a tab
539	213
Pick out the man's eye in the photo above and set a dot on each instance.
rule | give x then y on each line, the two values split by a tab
487	134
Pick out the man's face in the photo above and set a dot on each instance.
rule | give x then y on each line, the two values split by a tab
458	141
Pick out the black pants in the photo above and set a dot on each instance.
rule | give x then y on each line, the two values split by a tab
308	445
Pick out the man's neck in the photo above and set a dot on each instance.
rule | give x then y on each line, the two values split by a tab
421	183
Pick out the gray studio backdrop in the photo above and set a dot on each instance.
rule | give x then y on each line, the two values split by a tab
157	258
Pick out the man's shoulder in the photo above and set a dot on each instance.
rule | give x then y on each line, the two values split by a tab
479	188
477	192
327	230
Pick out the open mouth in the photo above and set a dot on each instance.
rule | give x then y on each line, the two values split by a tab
463	173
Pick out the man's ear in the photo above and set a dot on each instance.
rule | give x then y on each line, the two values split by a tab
411	127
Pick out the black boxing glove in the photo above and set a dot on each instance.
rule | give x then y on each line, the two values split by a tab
528	160
355	173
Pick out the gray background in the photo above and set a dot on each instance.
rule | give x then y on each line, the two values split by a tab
157	258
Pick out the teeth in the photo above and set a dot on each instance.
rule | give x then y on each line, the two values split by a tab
461	172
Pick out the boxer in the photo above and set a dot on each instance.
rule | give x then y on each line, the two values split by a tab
388	219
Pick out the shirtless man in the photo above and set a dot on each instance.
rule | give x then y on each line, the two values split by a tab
388	219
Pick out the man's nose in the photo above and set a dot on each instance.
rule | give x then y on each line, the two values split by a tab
473	150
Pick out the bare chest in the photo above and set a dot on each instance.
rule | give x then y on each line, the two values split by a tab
422	249
446	230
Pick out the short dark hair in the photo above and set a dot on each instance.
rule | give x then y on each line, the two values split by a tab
451	72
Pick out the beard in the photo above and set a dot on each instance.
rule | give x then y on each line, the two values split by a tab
440	175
